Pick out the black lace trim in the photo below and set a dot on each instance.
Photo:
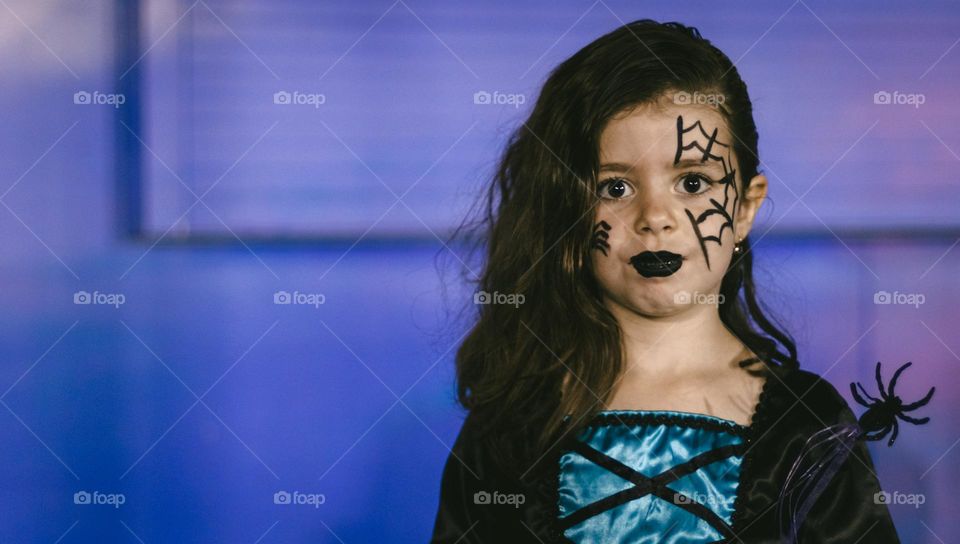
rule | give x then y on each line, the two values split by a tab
556	529
679	419
757	428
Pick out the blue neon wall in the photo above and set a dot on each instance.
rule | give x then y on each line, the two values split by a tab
199	398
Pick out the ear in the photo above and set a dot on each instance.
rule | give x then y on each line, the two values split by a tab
750	204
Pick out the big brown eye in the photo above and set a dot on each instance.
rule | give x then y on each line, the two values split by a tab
694	184
614	189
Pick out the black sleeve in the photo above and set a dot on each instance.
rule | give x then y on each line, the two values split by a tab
472	508
851	507
457	515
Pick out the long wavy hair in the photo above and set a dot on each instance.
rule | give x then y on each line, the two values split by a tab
523	368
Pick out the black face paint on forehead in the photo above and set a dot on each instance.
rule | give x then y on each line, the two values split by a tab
705	143
601	232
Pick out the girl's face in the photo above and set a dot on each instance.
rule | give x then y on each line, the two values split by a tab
671	207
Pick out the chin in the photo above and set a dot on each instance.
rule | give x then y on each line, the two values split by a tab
661	311
661	305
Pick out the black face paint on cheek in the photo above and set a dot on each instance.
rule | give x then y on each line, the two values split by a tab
728	182
601	232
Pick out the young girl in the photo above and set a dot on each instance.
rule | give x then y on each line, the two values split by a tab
640	394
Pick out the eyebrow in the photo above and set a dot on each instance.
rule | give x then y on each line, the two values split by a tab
684	163
615	167
696	162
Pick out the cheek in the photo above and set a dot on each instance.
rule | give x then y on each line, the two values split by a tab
711	221
606	245
720	257
600	240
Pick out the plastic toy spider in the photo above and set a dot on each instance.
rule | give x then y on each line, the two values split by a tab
881	415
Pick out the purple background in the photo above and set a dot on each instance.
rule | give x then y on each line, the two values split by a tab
300	398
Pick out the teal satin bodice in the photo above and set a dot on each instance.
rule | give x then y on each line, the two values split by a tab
650	477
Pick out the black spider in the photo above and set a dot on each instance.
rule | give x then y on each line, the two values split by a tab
881	415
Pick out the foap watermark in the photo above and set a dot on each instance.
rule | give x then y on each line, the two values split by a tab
98	298
896	297
686	297
497	498
696	98
912	499
96	98
298	298
704	499
496	98
897	98
299	499
511	299
297	98
100	499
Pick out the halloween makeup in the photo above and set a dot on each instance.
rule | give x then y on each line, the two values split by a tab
702	145
656	264
601	233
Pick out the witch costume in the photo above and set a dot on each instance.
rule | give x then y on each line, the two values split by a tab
800	472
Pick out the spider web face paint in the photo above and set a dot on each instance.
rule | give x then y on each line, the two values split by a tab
601	232
706	145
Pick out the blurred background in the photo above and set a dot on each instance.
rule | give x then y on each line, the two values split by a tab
229	303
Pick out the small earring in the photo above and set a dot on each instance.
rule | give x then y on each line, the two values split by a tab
737	248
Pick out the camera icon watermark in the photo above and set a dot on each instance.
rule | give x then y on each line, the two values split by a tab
299	499
704	499
496	98
97	298
886	98
96	98
680	498
896	297
497	498
696	98
297	98
511	299
298	298
696	297
912	499
85	498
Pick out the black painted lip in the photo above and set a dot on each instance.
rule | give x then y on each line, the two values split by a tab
656	264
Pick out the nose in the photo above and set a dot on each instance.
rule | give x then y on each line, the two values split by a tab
653	215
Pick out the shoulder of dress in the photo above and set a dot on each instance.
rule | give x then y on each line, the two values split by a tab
811	396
